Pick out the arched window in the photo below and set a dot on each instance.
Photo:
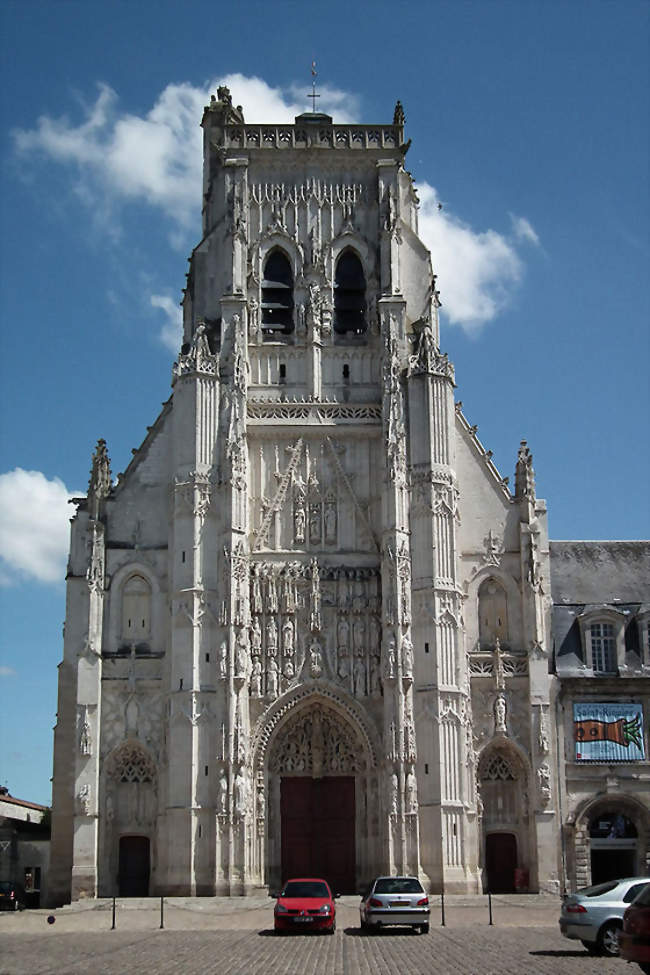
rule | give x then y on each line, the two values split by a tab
492	614
131	764
277	294
136	609
349	295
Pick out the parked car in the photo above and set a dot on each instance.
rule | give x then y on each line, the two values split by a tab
594	915
305	904
394	900
634	939
12	896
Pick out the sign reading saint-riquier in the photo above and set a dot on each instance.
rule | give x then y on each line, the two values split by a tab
608	732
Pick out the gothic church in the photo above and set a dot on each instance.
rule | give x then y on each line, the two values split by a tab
309	628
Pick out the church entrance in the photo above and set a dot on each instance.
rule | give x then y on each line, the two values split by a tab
317	831
500	862
133	877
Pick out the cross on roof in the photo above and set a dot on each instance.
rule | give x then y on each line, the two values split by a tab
313	94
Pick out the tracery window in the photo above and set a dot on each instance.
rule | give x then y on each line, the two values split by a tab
500	791
136	609
132	764
603	648
277	294
492	614
349	295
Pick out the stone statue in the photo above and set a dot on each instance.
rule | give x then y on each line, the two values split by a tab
391	657
287	637
272	637
241	793
315	660
272	679
500	708
407	657
394	794
256	636
411	793
256	678
223	660
241	654
223	793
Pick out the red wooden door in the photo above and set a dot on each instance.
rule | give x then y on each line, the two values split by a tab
318	823
500	862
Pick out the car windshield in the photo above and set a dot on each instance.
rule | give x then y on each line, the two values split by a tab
398	885
643	899
305	888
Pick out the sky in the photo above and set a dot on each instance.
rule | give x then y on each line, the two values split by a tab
529	124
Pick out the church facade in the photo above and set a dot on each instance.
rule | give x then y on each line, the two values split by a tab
309	629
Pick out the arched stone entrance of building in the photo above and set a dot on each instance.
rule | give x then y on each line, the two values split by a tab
503	788
609	839
318	799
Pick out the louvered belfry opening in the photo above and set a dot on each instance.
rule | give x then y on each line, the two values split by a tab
277	294
349	295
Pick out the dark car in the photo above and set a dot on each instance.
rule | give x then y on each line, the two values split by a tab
12	896
305	904
634	939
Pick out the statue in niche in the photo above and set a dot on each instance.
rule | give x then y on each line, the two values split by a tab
394	794
314	522
299	520
272	594
315	659
343	633
359	676
315	597
289	670
542	741
256	595
375	633
223	660
241	793
314	310
374	675
223	793
83	800
344	670
287	637
261	800
272	678
407	656
241	654
411	793
544	780
271	637
253	318
359	629
85	743
301	329
256	678
391	657
500	709
330	522
360	600
256	636
314	246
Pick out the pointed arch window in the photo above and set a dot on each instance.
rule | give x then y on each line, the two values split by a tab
349	295
492	614
136	610
277	294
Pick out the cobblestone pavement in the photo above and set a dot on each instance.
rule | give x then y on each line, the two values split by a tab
235	938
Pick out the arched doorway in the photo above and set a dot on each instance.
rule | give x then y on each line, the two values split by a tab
134	866
502	786
612	841
322	806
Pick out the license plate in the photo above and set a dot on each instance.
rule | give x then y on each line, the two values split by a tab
399	904
303	920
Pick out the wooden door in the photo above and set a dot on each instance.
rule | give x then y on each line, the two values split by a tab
133	879
318	827
500	862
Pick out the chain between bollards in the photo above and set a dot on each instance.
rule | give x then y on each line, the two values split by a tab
113	924
442	909
162	925
490	906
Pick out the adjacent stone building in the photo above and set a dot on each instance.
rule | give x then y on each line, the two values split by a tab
309	628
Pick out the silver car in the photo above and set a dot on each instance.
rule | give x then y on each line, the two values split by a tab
594	915
394	900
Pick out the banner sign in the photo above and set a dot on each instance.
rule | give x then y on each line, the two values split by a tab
608	732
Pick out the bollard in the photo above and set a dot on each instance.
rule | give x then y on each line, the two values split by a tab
442	909
161	914
490	906
113	924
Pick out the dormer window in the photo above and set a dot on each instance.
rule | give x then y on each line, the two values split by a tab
603	639
277	294
349	295
603	648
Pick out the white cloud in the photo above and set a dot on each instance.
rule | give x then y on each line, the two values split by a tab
523	230
34	527
171	331
7	671
477	270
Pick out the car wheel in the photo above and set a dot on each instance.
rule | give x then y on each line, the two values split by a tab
591	947
644	968
332	930
608	939
424	929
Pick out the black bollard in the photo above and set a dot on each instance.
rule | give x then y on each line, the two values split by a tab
113	924
442	909
490	906
161	914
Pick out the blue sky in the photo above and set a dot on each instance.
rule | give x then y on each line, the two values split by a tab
529	124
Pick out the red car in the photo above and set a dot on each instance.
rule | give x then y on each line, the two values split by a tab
305	904
634	939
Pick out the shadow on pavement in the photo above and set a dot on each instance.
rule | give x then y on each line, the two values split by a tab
562	954
382	933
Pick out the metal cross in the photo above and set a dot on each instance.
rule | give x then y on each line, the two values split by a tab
313	95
